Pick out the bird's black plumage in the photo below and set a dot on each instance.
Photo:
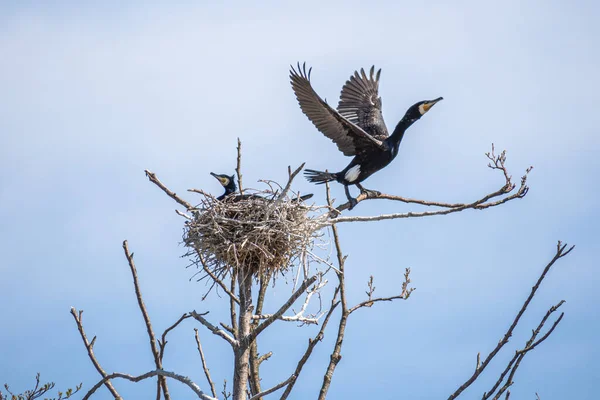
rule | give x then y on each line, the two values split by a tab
356	127
228	182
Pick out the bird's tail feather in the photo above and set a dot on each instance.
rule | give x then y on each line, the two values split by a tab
319	177
305	197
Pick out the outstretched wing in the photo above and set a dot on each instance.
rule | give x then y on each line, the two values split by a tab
349	138
360	103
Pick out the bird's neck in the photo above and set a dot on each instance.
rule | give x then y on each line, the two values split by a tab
228	190
398	133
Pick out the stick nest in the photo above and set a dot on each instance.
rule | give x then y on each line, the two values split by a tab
255	234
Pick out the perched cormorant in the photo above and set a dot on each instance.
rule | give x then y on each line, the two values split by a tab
356	127
228	182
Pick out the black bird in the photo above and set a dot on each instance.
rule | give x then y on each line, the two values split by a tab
356	127
228	182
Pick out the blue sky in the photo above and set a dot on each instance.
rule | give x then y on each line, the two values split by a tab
93	95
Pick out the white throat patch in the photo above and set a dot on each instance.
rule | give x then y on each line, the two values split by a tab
352	174
422	109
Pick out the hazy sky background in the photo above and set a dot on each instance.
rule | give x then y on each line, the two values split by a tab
90	96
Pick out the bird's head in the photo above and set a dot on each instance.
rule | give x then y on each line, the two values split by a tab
419	109
228	182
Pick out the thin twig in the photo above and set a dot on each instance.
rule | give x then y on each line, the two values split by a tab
520	354
263	325
152	177
273	389
291	176
264	357
370	301
183	379
200	318
162	382
560	252
163	342
238	168
226	395
90	349
299	316
290	318
217	280
311	345
204	367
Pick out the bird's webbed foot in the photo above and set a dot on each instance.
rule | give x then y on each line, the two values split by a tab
367	192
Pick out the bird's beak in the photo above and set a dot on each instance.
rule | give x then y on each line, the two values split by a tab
431	103
220	179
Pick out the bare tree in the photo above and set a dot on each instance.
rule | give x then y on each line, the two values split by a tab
245	244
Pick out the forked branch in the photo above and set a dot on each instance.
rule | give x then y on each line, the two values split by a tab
89	346
404	295
263	325
531	344
561	251
219	332
162	382
183	379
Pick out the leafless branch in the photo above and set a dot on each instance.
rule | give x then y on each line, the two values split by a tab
311	345
263	325
39	391
162	382
337	349
200	318
370	301
232	312
299	316
183	379
90	349
238	168
273	389
226	395
152	177
290	318
254	359
227	327
204	367
264	357
163	342
202	192
291	176
217	280
497	162
560	252
531	344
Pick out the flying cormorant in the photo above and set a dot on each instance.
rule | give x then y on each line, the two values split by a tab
356	127
228	182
